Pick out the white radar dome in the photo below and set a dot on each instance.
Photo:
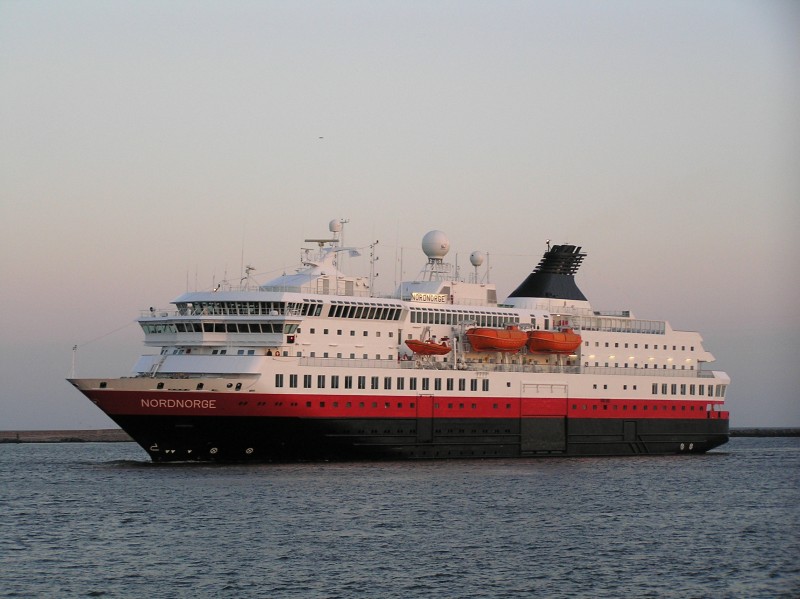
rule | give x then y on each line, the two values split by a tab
435	244
476	258
335	226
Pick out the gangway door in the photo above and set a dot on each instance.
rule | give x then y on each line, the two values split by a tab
543	418
425	418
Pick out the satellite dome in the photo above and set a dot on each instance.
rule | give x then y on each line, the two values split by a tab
335	226
476	258
435	244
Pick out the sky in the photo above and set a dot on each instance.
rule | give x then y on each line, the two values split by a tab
148	148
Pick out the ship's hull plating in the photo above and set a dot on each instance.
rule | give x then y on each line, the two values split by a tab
228	438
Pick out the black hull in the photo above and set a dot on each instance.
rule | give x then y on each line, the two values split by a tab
234	439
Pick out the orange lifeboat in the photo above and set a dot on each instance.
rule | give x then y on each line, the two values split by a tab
553	342
428	348
510	339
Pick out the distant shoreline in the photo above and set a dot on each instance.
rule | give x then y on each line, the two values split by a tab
115	435
109	435
765	432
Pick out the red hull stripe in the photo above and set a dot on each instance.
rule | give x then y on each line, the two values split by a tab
163	403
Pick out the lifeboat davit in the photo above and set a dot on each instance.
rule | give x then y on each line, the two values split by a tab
510	339
428	348
553	342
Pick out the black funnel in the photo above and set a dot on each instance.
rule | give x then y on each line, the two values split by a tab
554	276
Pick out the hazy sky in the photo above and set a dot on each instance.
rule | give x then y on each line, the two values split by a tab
151	147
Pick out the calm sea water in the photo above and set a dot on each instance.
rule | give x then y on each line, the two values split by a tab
99	520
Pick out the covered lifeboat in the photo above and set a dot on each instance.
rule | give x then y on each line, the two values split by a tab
429	348
564	341
509	339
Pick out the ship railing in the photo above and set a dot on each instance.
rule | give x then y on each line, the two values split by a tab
172	313
651	372
426	364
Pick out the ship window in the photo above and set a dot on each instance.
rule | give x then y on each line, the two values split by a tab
199	385
426	383
374	382
663	389
400	383
320	381
485	385
437	384
449	384
279	380
334	381
473	384
674	389
387	382
348	382
362	382
159	386
293	380
462	384
307	381
412	383
683	389
655	389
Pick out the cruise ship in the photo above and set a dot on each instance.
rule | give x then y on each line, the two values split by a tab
315	366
